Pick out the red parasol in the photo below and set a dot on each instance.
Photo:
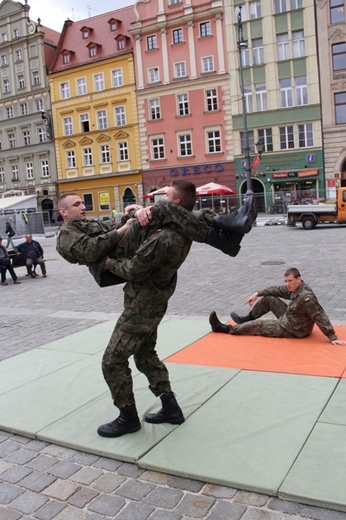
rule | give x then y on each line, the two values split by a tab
214	189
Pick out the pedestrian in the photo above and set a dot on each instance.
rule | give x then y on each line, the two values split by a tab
32	254
295	320
10	232
114	215
5	265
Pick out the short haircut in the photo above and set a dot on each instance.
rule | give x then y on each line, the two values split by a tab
186	192
63	197
292	271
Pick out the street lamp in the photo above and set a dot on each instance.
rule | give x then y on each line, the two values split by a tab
47	117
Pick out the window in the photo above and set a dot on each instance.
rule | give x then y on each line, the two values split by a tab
172	2
6	85
88	157
296	4
301	90
36	78
280	6
2	174
286	93
205	29
120	116
261	97
177	35
92	51
248	98
179	70
339	56
185	145
4	60
4	37
45	168
255	9
121	44
88	201
21	82
12	140
283	46
70	159
183	105
9	112
66	58
33	51
266	136
154	109
85	34
305	135
286	137
42	137
23	109
211	100
113	26
81	86
26	137
151	42
29	168
213	141
258	51
117	76
15	172
340	108
39	105
298	44
337	11
68	128
123	151
99	83
84	123
208	64
15	33
157	148
245	57
105	155
153	75
102	119
65	90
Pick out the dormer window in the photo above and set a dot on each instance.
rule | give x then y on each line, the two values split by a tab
93	49
86	32
121	44
121	41
114	24
66	58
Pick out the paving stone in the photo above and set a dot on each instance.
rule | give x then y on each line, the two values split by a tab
260	514
108	464
36	445
42	463
107	505
61	489
135	511
164	497
7	447
154	476
72	513
59	451
9	492
4	436
20	439
4	466
86	475
165	515
195	505
82	497
15	474
216	491
284	506
316	513
185	483
254	499
108	482
85	459
28	502
7	514
49	510
130	470
134	489
37	481
224	509
64	469
21	456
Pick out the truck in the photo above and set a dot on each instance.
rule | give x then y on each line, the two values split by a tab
309	215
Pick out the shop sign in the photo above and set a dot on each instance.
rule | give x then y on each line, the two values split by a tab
331	184
307	173
195	170
280	175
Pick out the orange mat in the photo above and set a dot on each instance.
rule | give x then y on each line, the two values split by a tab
309	356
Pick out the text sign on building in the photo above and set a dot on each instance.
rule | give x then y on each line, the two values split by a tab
310	157
195	170
307	173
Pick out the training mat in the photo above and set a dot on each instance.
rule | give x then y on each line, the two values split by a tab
192	385
248	434
335	411
318	476
308	356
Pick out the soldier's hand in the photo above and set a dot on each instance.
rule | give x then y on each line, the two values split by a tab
132	207
105	263
252	299
122	230
338	342
144	215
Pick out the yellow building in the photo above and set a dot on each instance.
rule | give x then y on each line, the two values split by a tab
94	113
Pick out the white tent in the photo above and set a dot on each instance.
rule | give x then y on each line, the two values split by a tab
14	203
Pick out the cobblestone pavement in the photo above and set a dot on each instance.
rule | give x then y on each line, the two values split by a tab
43	481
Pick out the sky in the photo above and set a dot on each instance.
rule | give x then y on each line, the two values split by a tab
54	13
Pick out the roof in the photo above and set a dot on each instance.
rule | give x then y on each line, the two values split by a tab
18	202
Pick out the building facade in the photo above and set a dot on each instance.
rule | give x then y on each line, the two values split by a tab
183	92
95	113
276	44
27	157
331	33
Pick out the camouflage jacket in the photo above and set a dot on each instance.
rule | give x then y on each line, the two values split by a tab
303	311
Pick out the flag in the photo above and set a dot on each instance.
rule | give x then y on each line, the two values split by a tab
256	162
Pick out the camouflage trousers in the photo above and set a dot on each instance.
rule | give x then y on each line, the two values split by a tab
269	328
135	334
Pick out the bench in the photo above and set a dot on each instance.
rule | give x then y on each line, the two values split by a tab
17	260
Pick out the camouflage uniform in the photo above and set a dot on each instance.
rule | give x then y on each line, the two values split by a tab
89	242
295	320
152	278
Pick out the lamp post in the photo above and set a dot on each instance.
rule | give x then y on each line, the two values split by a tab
46	115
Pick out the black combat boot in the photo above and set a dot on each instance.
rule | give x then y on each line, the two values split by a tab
216	324
169	413
127	422
241	319
240	220
228	243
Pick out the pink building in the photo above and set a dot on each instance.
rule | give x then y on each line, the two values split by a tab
182	89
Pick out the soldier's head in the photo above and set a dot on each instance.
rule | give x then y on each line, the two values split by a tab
182	193
292	279
71	207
